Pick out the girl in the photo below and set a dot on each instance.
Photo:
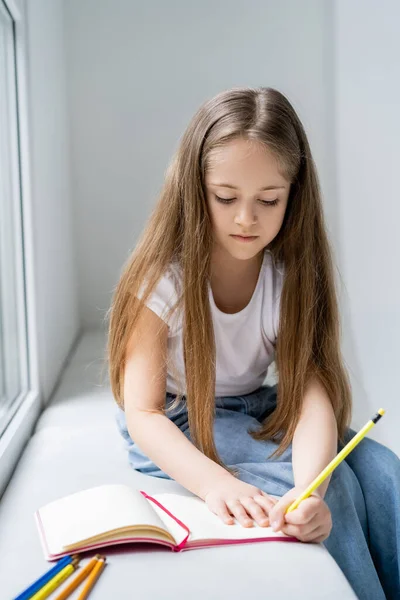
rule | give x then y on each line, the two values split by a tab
233	271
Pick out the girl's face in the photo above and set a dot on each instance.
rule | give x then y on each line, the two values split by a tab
246	195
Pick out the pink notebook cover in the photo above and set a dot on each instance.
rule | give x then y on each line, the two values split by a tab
184	545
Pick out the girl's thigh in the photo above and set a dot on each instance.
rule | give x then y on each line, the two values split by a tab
235	417
376	466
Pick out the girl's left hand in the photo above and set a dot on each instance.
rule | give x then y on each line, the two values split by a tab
311	521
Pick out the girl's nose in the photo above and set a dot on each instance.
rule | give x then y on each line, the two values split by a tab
246	217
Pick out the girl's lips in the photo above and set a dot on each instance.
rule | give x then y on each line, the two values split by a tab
245	239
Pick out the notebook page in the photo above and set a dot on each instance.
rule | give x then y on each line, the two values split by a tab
94	511
204	524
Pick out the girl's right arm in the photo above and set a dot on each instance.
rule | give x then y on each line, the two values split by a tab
164	443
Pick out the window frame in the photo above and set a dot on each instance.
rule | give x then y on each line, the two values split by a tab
28	406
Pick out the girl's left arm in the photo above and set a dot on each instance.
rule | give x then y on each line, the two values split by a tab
315	440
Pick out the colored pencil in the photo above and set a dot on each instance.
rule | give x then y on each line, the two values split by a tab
78	579
337	460
56	581
39	583
95	573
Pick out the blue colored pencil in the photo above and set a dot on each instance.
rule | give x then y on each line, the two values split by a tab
37	585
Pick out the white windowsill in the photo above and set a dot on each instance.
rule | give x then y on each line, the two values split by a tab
16	435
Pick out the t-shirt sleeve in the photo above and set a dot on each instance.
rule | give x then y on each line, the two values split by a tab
163	297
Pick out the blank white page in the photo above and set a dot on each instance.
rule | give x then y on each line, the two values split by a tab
203	523
92	512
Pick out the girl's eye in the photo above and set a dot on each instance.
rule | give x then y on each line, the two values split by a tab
265	202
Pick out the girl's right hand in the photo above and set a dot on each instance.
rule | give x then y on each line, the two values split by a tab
242	500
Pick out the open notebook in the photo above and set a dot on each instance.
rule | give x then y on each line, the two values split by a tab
117	514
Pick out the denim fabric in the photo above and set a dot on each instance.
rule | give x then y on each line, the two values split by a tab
363	493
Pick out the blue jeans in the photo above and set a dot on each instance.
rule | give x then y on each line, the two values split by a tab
363	493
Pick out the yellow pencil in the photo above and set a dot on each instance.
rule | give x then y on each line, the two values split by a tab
95	573
57	580
78	579
338	459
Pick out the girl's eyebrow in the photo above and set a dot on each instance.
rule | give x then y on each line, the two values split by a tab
234	187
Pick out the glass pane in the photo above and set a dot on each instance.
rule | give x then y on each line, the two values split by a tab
11	351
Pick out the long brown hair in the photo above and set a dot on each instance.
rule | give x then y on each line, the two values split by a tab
179	229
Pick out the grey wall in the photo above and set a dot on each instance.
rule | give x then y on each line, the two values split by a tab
56	279
137	71
367	91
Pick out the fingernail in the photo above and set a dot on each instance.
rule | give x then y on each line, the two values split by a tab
275	525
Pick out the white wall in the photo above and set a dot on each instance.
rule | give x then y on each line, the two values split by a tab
367	84
137	72
56	281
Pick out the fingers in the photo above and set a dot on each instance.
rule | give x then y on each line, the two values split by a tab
305	512
256	507
302	523
259	514
246	509
299	516
238	510
317	534
265	501
310	533
221	511
272	498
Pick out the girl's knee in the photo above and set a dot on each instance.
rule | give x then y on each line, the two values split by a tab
380	457
344	493
343	484
389	463
342	474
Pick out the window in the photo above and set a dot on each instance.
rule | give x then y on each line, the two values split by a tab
19	397
13	346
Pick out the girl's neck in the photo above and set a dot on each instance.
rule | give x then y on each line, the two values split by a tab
230	271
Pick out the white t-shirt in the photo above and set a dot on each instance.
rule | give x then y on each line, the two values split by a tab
245	341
